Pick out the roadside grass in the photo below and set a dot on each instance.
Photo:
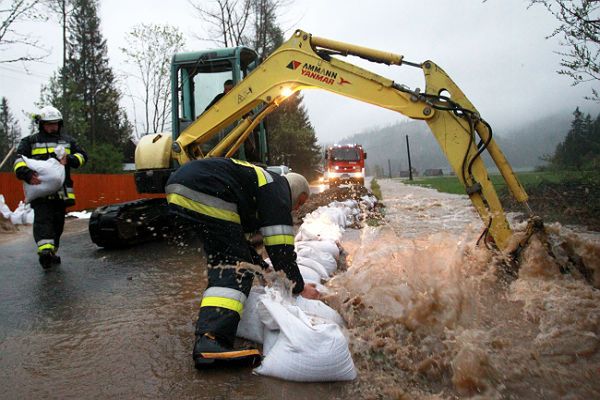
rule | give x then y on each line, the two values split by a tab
377	216
450	184
376	189
571	197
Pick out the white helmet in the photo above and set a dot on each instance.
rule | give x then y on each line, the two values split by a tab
50	114
298	185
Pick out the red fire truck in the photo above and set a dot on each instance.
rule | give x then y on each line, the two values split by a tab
345	164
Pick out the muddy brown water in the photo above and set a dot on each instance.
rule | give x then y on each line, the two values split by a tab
428	317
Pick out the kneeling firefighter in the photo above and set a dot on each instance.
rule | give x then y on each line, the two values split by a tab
226	198
49	219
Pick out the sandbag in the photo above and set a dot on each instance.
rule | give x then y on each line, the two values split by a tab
50	172
4	209
319	230
325	259
250	326
297	349
309	274
314	265
327	246
316	308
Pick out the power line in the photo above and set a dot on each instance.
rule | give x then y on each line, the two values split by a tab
21	72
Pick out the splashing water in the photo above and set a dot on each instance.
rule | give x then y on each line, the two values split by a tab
430	317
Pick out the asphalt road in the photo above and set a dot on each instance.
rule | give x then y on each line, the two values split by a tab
113	324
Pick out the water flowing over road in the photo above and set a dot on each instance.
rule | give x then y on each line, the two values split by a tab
428	316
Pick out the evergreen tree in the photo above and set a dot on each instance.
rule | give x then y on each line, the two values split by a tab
10	133
93	86
292	138
85	91
581	147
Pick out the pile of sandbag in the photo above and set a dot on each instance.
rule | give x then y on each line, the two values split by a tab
23	214
303	340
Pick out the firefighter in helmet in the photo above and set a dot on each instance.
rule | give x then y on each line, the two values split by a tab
50	210
225	199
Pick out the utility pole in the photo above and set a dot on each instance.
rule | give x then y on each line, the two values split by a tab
409	164
389	169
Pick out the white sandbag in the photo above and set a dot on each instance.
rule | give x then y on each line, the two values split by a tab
327	246
50	172
28	215
250	326
314	265
303	351
4	210
319	230
328	215
317	308
16	217
309	274
325	259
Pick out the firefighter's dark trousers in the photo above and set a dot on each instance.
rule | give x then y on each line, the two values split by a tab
48	223
228	284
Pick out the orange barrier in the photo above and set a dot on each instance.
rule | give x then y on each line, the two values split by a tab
91	190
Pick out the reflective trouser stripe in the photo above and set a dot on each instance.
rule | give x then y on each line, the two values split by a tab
278	239
47	246
80	158
200	208
224	297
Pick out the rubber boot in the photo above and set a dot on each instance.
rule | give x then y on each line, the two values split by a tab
55	259
46	258
208	351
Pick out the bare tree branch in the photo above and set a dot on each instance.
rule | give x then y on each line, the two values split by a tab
579	31
12	12
150	48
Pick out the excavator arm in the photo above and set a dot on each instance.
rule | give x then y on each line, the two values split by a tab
309	62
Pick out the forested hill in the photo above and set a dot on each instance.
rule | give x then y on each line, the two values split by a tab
523	145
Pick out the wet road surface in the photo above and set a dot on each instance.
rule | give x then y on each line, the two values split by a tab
113	324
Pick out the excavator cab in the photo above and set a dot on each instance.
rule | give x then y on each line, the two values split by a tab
196	78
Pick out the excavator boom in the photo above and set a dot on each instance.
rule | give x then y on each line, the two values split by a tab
308	62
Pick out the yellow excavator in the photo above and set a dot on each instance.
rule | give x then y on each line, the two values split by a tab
303	62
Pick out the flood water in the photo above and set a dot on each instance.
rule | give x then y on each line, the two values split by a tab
428	316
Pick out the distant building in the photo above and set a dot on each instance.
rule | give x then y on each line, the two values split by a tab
406	174
433	172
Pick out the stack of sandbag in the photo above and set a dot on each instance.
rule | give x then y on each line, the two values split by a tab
303	339
23	214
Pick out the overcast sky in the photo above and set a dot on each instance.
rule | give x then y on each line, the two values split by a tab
497	53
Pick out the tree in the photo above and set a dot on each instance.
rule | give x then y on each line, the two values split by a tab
93	81
267	34
150	48
62	8
581	147
12	12
292	138
579	28
10	133
227	20
90	103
